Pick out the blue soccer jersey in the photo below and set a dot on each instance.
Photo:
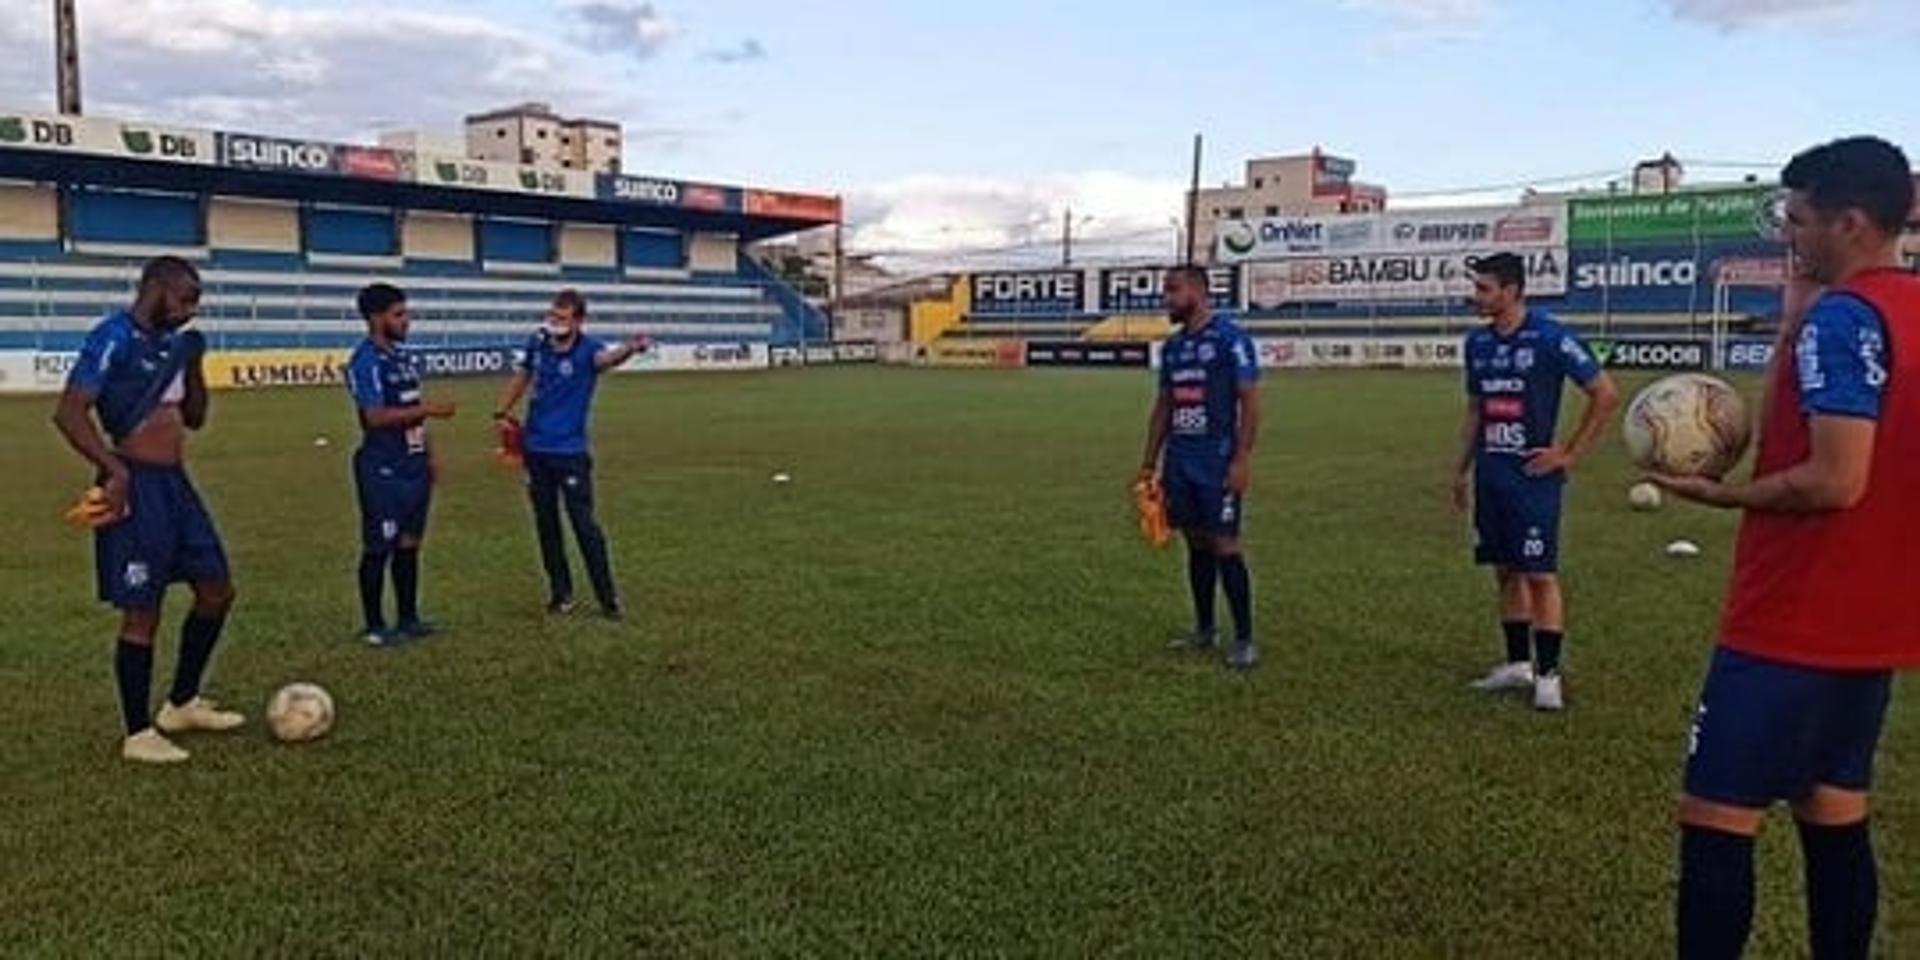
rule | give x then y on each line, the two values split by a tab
563	385
1515	381
1201	375
387	378
129	371
1842	354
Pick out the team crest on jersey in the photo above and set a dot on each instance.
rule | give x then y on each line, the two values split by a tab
1523	358
566	368
1206	353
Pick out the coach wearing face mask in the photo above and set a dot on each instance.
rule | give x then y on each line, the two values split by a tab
563	365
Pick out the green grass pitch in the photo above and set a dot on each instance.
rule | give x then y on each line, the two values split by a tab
915	702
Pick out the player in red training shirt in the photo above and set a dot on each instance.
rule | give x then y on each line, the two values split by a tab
1820	612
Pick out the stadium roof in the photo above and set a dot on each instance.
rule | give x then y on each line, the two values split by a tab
129	155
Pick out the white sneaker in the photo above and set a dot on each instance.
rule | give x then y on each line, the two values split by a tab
148	746
1507	676
1547	695
196	714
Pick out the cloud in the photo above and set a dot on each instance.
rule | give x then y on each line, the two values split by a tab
1735	14
1447	17
330	72
939	222
748	51
630	26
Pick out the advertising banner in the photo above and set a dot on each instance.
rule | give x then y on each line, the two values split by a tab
1652	354
704	196
1399	353
50	369
375	163
1028	293
1747	353
1461	229
16	371
257	369
1751	271
1739	213
440	171
1143	289
977	353
107	138
699	356
434	362
856	351
1083	353
32	371
793	206
1387	277
1669	278
249	152
651	191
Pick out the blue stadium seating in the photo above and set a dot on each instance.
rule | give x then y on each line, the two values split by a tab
48	299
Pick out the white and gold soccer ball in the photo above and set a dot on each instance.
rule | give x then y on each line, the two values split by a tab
1688	425
299	712
1644	497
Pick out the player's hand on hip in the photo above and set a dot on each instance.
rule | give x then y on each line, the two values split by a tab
1548	461
1701	490
115	489
1239	476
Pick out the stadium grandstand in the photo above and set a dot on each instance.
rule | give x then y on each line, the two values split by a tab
286	229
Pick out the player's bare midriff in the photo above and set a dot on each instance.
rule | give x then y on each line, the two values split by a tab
159	441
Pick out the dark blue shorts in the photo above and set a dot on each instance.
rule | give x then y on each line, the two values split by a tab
166	538
393	502
1767	731
1516	520
1197	497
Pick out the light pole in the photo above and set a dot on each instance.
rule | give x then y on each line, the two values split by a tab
66	49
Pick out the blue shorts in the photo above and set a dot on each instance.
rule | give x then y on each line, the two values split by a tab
1768	731
393	502
1197	497
166	538
1516	520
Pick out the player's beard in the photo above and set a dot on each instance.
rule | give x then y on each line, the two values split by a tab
396	333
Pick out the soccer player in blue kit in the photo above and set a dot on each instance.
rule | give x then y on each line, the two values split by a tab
141	374
563	365
1515	471
393	470
1205	419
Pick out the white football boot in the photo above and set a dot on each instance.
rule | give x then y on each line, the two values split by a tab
196	714
148	746
1507	676
1547	695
